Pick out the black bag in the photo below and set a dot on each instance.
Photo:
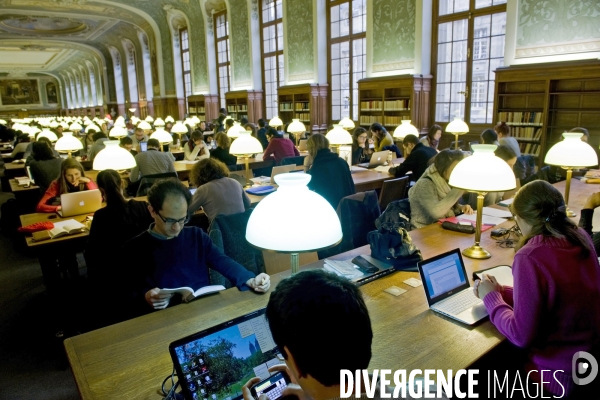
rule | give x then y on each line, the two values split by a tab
395	248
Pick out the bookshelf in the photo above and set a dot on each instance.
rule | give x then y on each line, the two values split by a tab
244	103
541	101
306	102
391	99
205	107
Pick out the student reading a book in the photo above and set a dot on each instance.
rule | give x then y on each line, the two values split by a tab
432	139
195	148
170	255
552	310
431	198
216	193
71	179
314	357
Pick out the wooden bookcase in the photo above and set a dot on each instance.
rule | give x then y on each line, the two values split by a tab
244	103
205	107
541	101
391	99
306	102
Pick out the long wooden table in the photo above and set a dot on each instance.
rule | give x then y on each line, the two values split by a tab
131	358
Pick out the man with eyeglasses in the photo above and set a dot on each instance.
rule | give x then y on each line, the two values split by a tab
172	256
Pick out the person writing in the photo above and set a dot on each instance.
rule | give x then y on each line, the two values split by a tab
549	311
417	156
381	137
176	256
71	179
431	198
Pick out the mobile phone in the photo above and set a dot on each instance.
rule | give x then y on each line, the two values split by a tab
273	386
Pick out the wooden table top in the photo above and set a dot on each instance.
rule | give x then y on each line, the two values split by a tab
131	358
16	188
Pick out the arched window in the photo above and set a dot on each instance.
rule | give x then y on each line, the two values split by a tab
272	47
223	55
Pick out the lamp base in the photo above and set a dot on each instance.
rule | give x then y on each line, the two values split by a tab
477	252
570	213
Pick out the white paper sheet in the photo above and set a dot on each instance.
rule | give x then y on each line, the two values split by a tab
494	212
485	219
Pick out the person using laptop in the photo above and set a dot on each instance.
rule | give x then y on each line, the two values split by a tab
330	174
127	143
314	357
152	162
417	157
431	198
195	148
138	137
279	147
71	179
361	153
552	308
45	166
216	193
171	255
381	137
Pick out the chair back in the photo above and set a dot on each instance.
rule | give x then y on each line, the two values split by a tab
296	160
228	233
392	189
147	181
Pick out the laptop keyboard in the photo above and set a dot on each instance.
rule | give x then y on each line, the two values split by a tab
458	303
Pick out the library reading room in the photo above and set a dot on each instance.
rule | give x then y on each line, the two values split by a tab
258	199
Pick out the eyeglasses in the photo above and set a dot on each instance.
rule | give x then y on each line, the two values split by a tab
170	221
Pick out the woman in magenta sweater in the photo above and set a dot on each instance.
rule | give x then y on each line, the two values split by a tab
279	147
553	309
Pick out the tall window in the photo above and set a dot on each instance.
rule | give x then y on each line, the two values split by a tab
185	61
272	37
470	46
347	55
223	55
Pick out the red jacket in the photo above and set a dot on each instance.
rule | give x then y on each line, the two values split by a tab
54	191
280	148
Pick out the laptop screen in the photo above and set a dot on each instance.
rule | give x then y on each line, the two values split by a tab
143	146
443	274
215	363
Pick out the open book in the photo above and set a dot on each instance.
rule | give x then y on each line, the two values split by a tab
62	228
188	294
502	273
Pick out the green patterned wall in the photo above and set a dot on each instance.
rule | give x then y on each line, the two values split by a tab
239	39
300	43
554	27
393	34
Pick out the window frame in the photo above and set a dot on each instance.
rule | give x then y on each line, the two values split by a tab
470	16
185	72
280	80
222	101
350	38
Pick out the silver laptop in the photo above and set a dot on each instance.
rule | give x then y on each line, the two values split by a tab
28	169
282	169
302	145
377	159
448	289
78	203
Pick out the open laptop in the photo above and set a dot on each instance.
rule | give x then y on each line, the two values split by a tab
302	145
28	169
78	203
282	169
200	358
448	289
378	158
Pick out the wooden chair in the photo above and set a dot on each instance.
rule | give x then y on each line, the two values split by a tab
392	189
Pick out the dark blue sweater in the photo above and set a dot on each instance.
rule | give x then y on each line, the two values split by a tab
179	262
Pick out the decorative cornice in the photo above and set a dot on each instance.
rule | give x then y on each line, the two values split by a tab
558	49
399	65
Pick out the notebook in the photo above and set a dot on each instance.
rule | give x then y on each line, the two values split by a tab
282	169
207	371
448	290
85	202
377	159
